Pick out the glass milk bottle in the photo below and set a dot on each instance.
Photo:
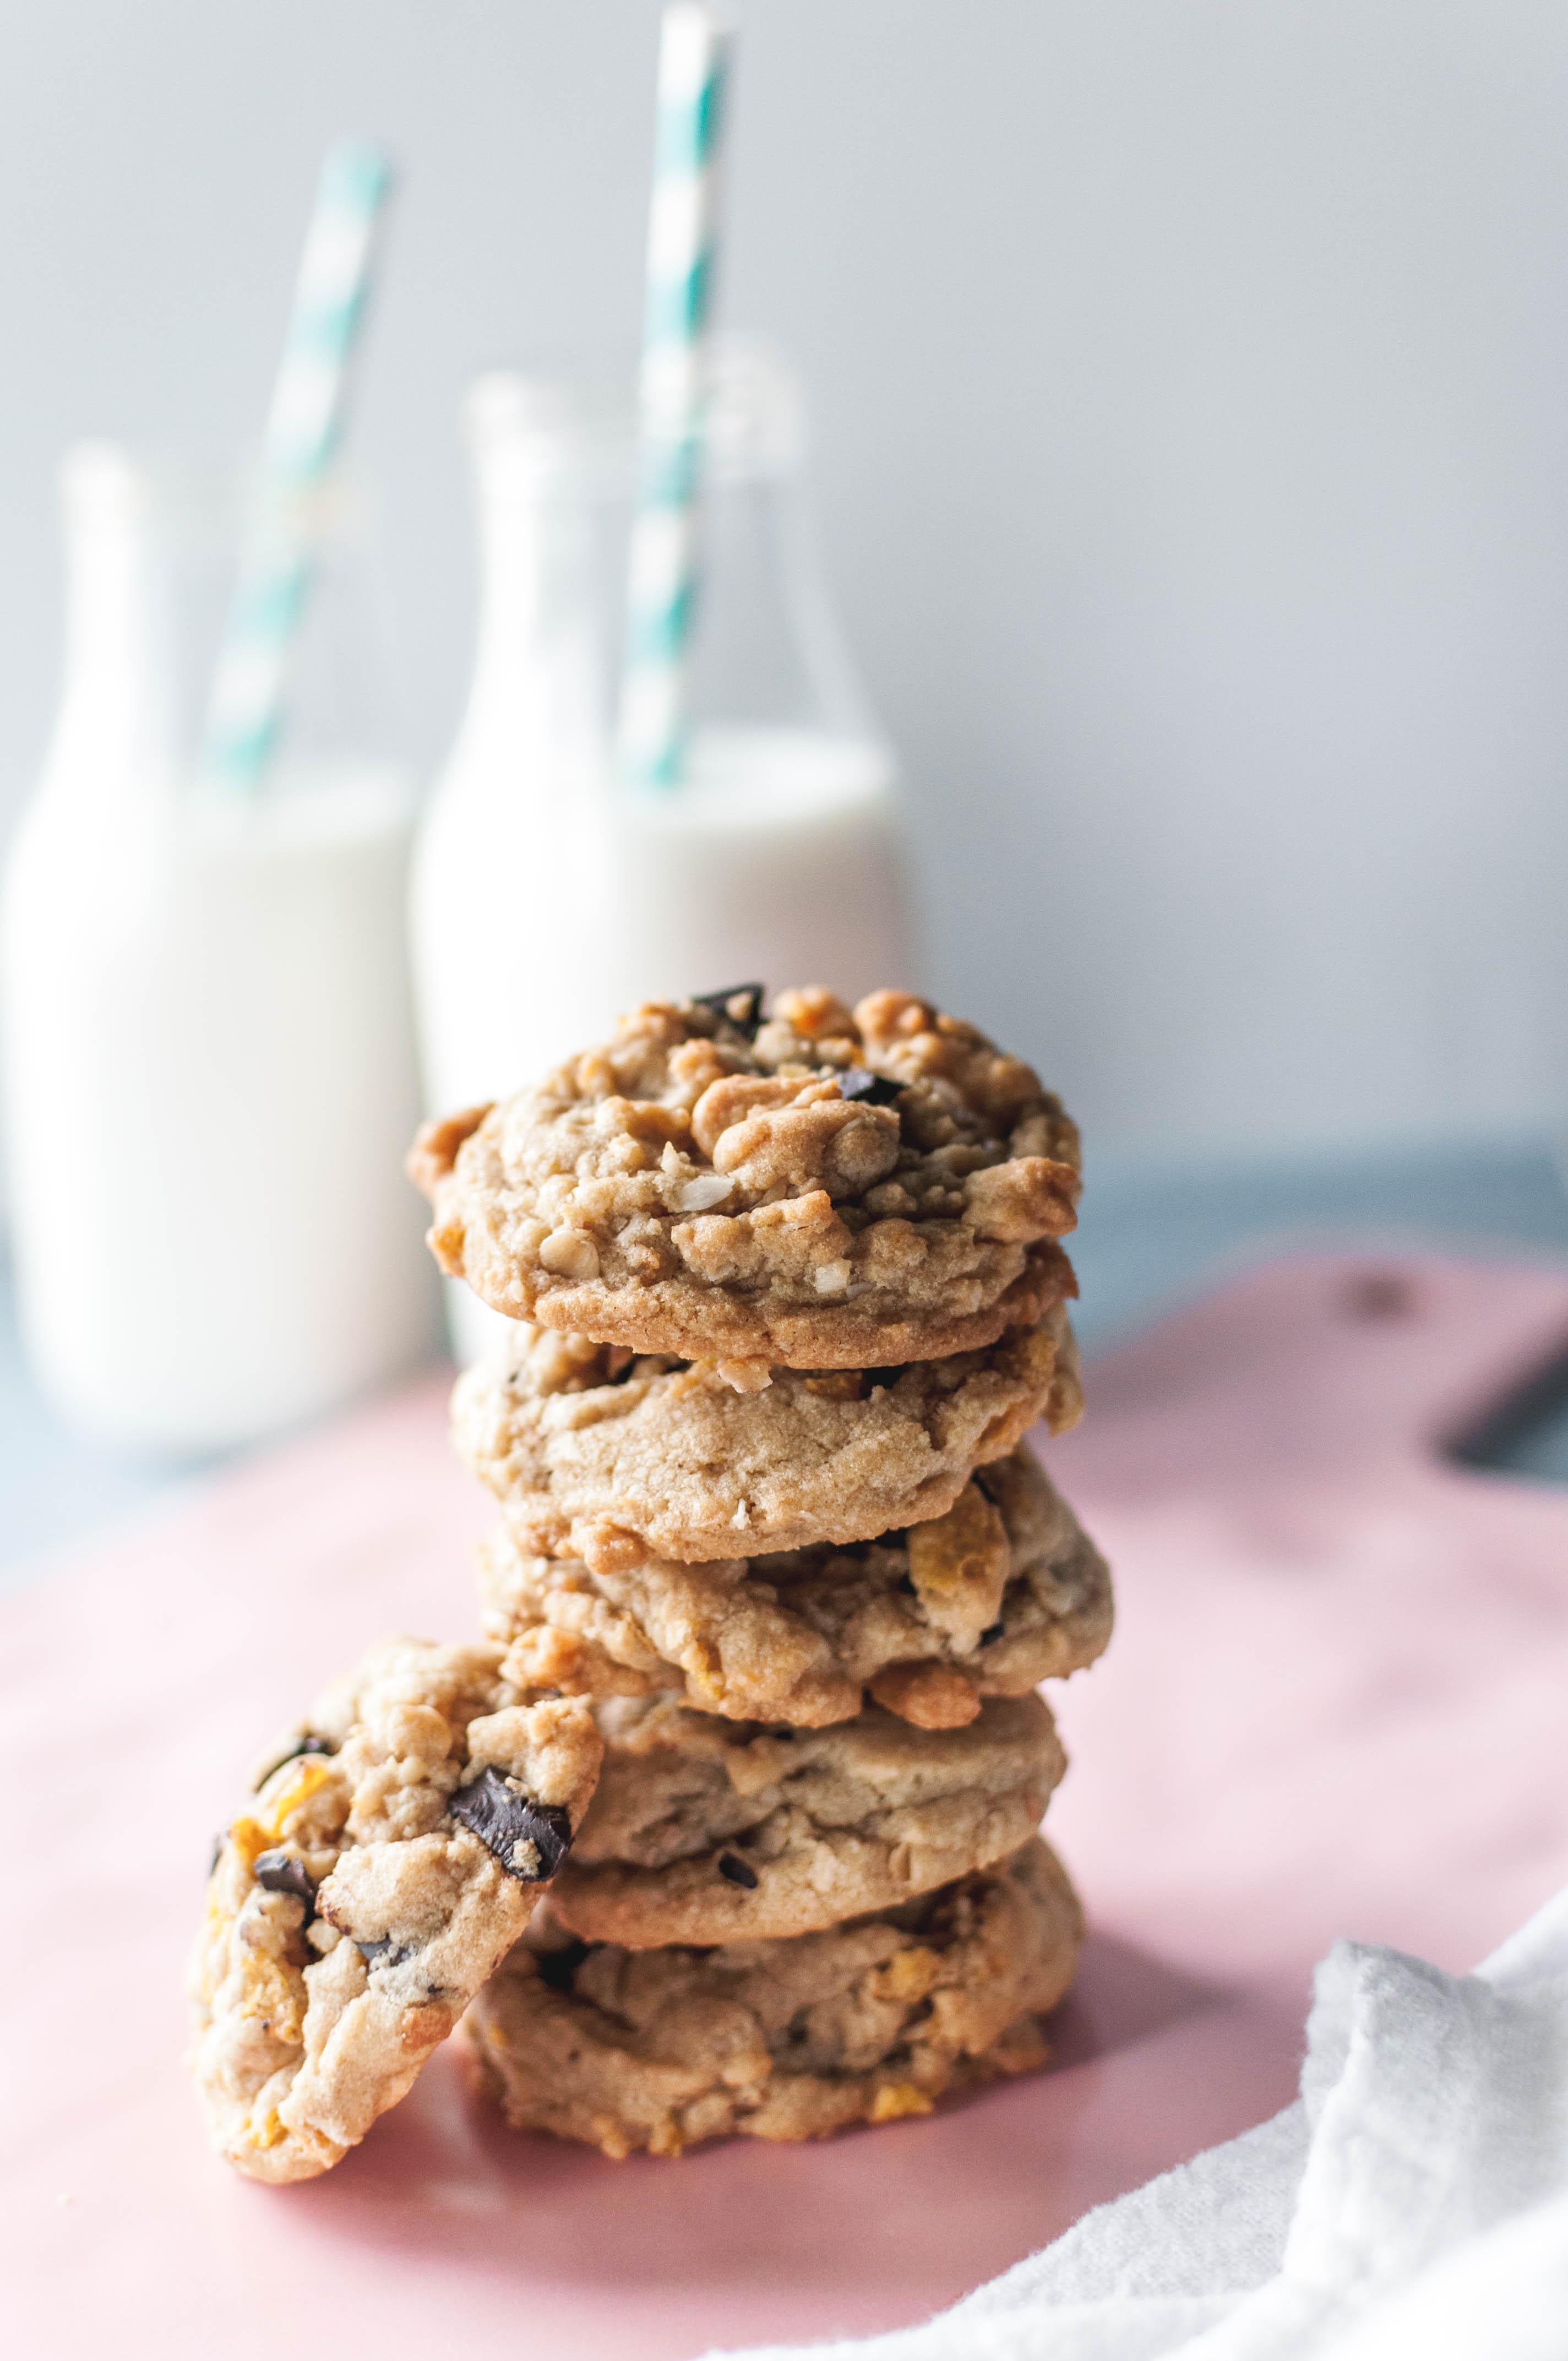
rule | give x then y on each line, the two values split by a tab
205	1030
779	855
546	897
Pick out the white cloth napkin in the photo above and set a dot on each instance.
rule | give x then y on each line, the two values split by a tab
1413	2201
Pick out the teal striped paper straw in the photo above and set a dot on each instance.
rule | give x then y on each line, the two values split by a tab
693	57
304	428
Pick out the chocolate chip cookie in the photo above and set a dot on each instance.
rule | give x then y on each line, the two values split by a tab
711	1832
613	1459
817	1187
390	1858
780	2040
1003	1591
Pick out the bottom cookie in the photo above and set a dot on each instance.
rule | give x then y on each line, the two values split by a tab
785	2040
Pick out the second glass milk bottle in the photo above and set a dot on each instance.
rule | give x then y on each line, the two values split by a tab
546	896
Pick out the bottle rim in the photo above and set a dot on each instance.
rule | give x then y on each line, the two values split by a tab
528	430
201	505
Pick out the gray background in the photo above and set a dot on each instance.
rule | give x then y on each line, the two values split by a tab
1191	389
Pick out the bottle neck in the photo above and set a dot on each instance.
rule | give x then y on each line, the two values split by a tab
513	566
537	656
114	714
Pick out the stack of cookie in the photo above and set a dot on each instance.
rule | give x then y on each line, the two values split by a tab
774	1583
787	1297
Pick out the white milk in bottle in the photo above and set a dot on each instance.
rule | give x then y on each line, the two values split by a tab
205	1042
776	859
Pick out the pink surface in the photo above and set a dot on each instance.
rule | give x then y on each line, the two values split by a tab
1334	1705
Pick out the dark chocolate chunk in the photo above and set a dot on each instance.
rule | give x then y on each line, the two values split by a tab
739	1872
385	1952
739	1005
280	1872
557	1968
873	1089
992	1632
308	1744
502	1819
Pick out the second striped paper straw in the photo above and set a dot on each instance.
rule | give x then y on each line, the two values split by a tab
694	56
304	428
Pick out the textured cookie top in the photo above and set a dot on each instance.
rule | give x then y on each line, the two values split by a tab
599	1455
1001	1591
819	1189
391	1856
780	2040
704	1830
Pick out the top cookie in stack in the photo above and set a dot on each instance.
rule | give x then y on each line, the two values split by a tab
807	1187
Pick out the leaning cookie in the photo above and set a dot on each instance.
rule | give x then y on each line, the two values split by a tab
389	1860
712	1831
612	1459
819	1190
1004	1591
863	2022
